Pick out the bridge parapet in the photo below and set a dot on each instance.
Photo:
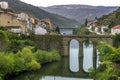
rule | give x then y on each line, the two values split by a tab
62	42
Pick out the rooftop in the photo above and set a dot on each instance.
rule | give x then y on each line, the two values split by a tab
116	27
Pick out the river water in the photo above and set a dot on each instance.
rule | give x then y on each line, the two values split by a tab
69	68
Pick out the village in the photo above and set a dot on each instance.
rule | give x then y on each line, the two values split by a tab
21	22
103	29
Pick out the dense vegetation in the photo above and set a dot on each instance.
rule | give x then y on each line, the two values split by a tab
111	20
18	54
109	68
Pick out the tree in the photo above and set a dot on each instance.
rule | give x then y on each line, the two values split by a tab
116	40
86	21
57	29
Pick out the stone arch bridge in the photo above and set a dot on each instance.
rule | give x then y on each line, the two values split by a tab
62	42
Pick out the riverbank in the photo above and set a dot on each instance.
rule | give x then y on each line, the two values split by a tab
109	68
25	60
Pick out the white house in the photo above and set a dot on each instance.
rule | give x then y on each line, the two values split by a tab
39	30
4	5
14	29
115	29
23	16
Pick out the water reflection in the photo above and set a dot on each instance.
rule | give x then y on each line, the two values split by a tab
61	78
74	55
54	71
98	62
61	70
88	57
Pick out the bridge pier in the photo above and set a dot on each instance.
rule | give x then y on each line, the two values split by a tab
80	49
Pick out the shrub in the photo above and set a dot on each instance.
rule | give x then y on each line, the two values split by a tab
44	56
6	64
33	65
41	56
26	54
115	56
17	62
55	55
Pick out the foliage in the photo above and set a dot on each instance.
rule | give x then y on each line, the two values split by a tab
104	51
33	65
116	40
44	56
104	72
87	42
25	59
86	21
57	29
111	19
16	45
115	56
109	57
3	40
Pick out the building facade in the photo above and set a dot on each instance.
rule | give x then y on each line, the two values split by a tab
11	22
4	5
115	29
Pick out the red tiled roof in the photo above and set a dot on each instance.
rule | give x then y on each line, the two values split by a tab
12	13
116	27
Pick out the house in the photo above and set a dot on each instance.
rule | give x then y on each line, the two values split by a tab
103	28
4	5
29	21
14	29
90	25
23	16
115	29
10	22
39	30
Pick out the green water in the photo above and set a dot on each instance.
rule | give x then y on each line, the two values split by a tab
54	71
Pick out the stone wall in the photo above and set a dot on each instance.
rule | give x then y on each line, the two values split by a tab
61	42
49	42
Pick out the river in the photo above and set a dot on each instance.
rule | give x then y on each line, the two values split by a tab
69	68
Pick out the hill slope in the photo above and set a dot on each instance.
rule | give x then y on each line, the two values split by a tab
19	6
111	19
79	12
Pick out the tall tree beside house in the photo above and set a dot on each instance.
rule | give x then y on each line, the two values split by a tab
57	29
86	21
96	18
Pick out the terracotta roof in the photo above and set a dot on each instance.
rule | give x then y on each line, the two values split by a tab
116	27
98	26
12	13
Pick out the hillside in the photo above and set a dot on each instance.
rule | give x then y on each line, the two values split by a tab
111	19
79	12
19	6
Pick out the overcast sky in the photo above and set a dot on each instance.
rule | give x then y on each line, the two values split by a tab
62	2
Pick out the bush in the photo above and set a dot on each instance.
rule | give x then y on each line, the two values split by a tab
6	64
18	63
44	56
33	65
55	55
115	56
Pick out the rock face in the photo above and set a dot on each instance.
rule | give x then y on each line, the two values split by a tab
79	12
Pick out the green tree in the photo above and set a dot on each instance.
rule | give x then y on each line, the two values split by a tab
116	40
57	29
86	21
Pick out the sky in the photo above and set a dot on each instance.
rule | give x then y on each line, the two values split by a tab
46	3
